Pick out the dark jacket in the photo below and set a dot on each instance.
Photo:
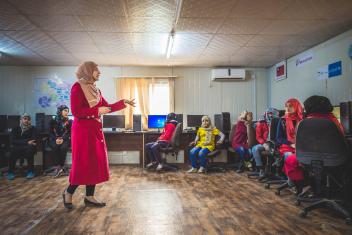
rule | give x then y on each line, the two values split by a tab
281	136
58	129
18	138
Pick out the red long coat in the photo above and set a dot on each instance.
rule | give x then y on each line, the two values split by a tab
89	155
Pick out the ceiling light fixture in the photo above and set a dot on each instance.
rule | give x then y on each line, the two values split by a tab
171	38
170	44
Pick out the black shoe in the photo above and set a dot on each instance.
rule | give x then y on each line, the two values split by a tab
94	204
66	204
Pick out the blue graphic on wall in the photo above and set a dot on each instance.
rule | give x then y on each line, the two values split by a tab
51	93
335	69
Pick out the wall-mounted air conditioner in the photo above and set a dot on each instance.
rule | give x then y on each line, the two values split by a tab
228	74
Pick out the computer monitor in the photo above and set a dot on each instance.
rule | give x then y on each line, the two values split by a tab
114	121
156	121
337	113
47	122
3	123
194	120
13	121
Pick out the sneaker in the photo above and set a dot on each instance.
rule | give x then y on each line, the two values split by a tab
261	173
59	172
10	176
160	167
150	165
30	175
201	170
192	170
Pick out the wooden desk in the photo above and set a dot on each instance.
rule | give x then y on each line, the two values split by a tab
125	141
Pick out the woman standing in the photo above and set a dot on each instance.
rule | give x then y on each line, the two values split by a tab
89	154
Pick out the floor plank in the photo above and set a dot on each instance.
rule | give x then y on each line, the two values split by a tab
151	203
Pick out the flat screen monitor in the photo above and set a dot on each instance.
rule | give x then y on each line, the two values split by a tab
194	120
336	112
13	121
3	123
114	121
156	121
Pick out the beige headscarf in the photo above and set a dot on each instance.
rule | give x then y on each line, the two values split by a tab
85	78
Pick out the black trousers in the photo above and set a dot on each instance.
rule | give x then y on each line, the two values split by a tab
60	152
18	152
89	189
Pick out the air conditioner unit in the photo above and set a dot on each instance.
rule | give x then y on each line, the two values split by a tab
228	74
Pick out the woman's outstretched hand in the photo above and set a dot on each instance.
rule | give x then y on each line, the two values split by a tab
130	102
104	110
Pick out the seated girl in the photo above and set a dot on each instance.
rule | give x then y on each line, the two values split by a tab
286	130
152	149
60	138
204	144
261	132
240	140
315	107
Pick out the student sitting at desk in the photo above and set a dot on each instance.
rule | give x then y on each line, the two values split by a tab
205	143
152	149
315	107
60	138
23	144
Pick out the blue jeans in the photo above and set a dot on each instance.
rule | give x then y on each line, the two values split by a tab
152	151
202	153
257	150
243	152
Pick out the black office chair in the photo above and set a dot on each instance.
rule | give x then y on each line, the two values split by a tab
211	165
173	148
274	173
322	148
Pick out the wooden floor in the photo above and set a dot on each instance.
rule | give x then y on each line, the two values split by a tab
151	203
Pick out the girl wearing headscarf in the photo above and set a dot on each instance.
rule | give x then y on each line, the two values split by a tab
23	144
204	144
241	139
286	130
89	153
60	138
261	132
315	107
152	149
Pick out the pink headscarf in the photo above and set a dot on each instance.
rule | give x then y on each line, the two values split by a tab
85	79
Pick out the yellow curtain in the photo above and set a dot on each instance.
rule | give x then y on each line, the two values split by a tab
143	99
126	88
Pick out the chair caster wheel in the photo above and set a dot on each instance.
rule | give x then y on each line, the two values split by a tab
348	221
266	186
277	193
297	203
303	214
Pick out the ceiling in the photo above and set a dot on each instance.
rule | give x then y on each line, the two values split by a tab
256	33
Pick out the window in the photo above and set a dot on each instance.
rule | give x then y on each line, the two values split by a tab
159	98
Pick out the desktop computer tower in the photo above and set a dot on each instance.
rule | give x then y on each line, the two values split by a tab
137	122
222	122
179	118
39	121
346	116
3	123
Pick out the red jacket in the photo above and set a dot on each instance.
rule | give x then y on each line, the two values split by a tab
168	130
89	155
261	132
240	138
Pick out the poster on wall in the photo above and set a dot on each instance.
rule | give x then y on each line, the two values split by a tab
330	71
304	59
280	71
51	93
